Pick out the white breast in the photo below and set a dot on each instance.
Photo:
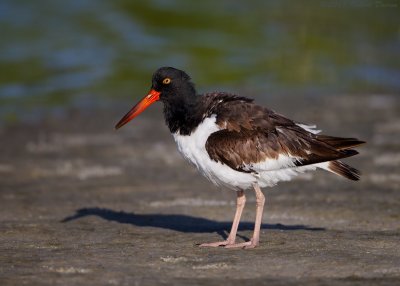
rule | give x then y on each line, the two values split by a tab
193	148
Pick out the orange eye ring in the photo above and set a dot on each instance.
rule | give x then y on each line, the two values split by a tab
166	80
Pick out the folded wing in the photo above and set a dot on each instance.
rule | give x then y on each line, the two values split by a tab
256	139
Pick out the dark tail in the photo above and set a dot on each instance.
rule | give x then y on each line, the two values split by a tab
344	170
343	145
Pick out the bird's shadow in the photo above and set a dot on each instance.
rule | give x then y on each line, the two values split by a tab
182	223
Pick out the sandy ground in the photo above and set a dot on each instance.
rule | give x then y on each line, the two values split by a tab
82	204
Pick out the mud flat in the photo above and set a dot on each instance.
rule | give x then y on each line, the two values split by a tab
82	204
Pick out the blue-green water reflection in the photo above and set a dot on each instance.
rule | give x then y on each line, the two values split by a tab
62	53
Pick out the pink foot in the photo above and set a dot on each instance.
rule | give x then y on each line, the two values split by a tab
216	244
246	245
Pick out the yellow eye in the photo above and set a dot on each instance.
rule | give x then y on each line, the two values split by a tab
166	80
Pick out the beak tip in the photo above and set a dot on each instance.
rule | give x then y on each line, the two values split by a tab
117	126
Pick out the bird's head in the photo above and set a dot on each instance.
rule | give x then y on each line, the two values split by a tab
169	85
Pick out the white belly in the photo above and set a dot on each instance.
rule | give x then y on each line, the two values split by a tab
193	149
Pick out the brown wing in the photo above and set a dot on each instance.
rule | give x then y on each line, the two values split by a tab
254	134
241	150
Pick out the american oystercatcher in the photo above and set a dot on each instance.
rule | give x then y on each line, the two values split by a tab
240	145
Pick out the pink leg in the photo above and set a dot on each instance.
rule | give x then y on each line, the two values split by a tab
255	240
240	202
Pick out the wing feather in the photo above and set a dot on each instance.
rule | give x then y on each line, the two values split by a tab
256	139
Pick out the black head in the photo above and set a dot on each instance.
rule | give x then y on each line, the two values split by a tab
172	84
174	88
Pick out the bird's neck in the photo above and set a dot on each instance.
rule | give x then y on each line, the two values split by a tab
183	113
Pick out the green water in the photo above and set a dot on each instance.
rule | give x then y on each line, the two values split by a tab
58	54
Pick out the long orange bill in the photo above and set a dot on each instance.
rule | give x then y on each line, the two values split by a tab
149	99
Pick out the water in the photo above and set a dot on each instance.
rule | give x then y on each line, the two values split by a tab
58	54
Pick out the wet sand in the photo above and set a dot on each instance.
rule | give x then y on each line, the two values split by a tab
82	204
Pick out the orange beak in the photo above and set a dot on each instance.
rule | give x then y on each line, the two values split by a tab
148	100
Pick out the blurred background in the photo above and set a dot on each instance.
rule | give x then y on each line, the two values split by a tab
55	55
83	204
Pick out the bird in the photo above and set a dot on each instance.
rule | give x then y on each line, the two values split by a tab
240	145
